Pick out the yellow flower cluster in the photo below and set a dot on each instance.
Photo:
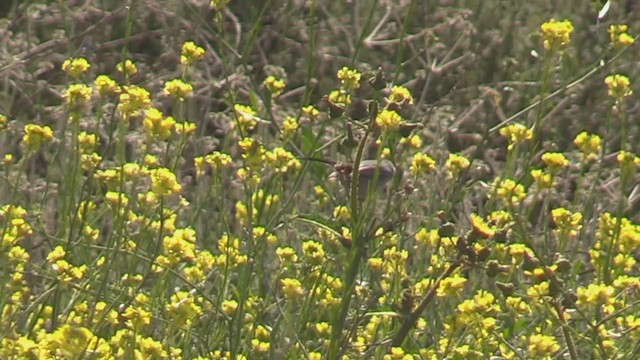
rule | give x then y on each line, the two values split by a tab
619	36
177	247
566	221
35	135
230	254
218	5
589	145
508	191
542	346
3	121
217	160
246	117
156	126
281	160
164	182
543	179
273	85
451	285
619	86
422	163
455	164
16	226
191	53
555	161
127	67
106	86
342	213
292	288
349	78
399	96
311	112
133	99
75	67
178	89
516	133
556	34
388	120
289	127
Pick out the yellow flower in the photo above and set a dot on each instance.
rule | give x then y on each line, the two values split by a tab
451	285
287	254
311	112
556	34
518	305
229	307
314	251
341	213
178	89
589	144
185	128
595	294
35	135
340	98
289	127
273	85
349	78
538	290
516	133
414	141
87	142
508	191
164	182
218	5
619	86
218	160
75	67
455	164
375	264
282	160
182	309
133	99
77	96
388	120
179	246
8	159
115	198
320	194
619	37
56	254
481	228
543	179
191	53
106	86
292	288
542	345
68	342
566	221
3	121
261	347
422	163
399	96
156	126
627	161
127	67
555	161
245	116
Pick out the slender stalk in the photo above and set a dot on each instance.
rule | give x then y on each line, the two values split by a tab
565	330
411	321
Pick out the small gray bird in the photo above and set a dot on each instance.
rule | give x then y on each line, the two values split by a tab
381	170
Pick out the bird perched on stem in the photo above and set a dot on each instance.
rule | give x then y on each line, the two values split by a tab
371	172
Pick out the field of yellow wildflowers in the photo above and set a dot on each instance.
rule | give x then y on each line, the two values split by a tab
305	179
